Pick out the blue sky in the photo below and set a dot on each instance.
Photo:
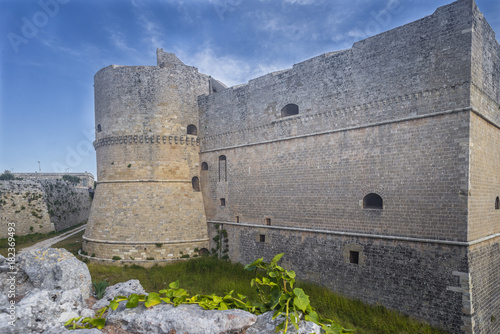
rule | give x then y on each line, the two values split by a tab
51	49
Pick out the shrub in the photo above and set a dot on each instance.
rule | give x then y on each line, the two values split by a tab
99	288
150	258
7	175
71	179
116	258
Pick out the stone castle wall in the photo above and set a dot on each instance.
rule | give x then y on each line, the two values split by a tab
411	115
42	206
421	279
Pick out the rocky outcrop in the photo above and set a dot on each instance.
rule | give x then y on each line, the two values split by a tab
56	286
53	285
165	318
119	289
55	269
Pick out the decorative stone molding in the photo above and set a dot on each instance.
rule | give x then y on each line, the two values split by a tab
188	140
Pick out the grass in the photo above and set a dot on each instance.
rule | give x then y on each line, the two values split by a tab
24	241
207	275
72	244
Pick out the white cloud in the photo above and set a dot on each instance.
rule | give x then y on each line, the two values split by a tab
304	2
227	69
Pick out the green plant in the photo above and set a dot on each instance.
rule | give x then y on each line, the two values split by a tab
93	255
132	258
129	165
99	288
275	290
31	228
150	258
185	256
158	244
23	207
71	179
116	258
221	243
83	252
7	175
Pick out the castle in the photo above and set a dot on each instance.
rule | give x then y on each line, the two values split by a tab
375	169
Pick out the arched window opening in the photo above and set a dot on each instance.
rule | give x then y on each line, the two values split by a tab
191	130
290	110
99	128
204	166
373	201
195	181
222	168
497	203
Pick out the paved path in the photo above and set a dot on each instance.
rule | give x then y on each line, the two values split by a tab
54	240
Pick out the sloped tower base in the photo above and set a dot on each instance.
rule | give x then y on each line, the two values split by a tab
146	220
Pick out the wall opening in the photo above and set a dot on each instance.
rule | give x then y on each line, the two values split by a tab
373	201
354	257
262	238
497	203
204	166
237	219
268	221
290	110
195	181
222	202
99	129
191	130
222	168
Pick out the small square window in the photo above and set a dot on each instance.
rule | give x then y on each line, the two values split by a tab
268	221
262	238
222	202
354	257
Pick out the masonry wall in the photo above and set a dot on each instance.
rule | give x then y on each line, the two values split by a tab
484	259
485	69
418	167
418	69
67	205
42	206
421	279
23	202
145	204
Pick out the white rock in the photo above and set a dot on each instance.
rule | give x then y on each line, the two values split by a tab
123	289
184	318
52	268
266	325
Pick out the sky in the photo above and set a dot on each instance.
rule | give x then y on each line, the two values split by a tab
50	51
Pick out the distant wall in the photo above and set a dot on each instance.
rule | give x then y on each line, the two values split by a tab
41	206
23	203
66	205
86	179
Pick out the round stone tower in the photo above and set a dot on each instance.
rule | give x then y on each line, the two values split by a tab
147	203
